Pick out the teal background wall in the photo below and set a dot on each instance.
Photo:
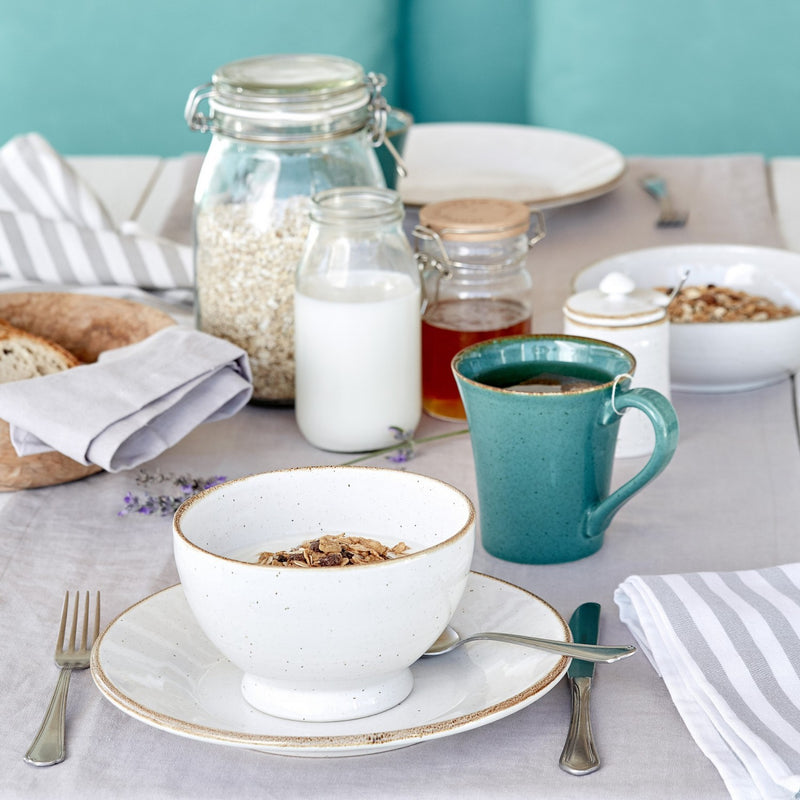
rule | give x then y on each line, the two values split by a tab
466	60
678	76
648	76
113	76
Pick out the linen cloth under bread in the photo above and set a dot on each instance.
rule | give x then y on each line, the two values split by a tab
727	645
133	403
54	229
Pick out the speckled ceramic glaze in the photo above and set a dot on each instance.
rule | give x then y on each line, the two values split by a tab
155	663
326	643
543	461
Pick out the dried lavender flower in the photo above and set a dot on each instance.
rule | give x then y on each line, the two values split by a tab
405	450
164	504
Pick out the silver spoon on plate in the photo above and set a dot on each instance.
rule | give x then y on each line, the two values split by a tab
450	639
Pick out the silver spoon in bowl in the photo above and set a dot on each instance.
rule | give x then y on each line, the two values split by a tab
449	639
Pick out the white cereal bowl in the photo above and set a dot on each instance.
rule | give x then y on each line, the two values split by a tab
719	357
324	643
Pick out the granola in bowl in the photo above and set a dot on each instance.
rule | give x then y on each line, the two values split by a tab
324	645
712	303
333	551
736	324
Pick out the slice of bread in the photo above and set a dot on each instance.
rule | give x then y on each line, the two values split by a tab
24	355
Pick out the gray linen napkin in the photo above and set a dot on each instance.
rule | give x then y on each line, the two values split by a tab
53	228
728	648
133	403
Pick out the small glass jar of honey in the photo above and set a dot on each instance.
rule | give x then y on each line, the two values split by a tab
472	253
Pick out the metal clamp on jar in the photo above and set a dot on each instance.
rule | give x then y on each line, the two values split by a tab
283	127
472	254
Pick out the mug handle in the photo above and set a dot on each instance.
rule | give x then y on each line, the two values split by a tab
662	415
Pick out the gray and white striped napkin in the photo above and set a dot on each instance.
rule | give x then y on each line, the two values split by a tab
728	648
55	230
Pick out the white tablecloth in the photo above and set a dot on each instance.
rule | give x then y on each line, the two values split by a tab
729	500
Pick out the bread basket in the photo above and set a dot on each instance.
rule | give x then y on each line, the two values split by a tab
86	325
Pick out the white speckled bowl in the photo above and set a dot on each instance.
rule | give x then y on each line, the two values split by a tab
324	643
712	356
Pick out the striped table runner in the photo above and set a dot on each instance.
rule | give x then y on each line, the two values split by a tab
53	229
728	648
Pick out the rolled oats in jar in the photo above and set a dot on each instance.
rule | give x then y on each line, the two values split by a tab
283	128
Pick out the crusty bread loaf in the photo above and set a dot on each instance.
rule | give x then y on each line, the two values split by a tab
24	355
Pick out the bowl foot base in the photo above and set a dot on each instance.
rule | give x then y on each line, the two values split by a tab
327	701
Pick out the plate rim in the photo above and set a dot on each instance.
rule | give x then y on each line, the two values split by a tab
338	744
547	201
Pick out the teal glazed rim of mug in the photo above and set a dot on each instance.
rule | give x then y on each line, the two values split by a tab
504	343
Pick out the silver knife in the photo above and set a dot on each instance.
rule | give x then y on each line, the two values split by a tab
579	756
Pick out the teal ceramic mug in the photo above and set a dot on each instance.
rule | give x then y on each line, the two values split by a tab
543	413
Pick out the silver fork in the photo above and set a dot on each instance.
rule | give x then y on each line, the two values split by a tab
669	217
48	746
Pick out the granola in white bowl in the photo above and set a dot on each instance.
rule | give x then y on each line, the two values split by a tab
706	354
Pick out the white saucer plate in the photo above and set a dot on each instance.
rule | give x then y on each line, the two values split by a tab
155	664
538	166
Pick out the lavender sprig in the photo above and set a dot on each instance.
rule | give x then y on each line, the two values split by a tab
405	449
164	504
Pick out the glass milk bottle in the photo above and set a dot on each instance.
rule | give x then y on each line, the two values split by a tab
635	319
357	323
473	253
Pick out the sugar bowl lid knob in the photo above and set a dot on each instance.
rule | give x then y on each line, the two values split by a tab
617	302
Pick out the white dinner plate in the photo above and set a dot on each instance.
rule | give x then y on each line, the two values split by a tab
537	166
154	663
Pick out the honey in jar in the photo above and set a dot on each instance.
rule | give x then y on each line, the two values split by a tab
473	256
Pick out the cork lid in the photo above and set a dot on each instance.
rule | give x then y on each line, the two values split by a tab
476	219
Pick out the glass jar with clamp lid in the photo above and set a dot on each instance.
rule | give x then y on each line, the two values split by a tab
472	253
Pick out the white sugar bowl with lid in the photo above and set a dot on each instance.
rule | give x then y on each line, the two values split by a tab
635	319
